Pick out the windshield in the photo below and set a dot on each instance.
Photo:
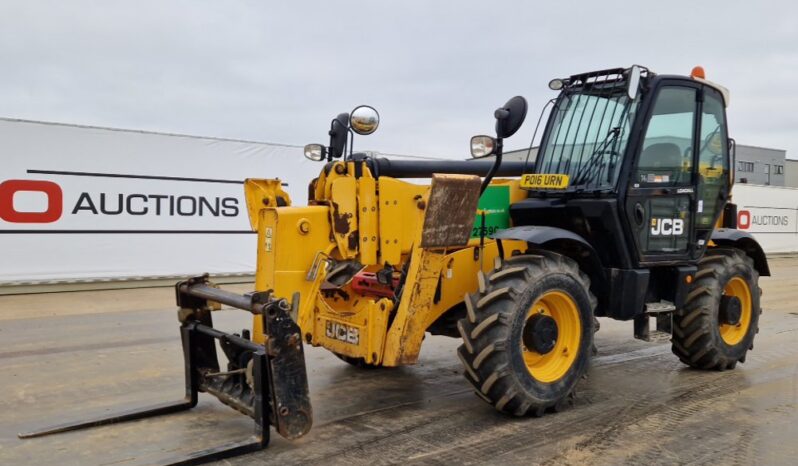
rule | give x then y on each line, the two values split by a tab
587	137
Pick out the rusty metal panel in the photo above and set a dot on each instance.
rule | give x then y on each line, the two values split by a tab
450	210
343	216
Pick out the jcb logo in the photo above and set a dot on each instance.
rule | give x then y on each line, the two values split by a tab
9	213
343	332
667	226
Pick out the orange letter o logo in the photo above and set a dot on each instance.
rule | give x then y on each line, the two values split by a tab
55	201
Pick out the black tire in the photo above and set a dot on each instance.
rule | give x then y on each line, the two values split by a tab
697	339
360	363
492	351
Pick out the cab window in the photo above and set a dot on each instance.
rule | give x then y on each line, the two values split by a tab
713	160
666	156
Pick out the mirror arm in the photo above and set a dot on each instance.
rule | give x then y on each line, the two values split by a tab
330	147
494	168
351	142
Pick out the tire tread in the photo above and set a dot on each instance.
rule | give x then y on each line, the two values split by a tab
488	321
695	338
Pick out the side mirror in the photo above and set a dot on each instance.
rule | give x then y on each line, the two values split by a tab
339	133
315	152
510	117
364	119
633	84
482	146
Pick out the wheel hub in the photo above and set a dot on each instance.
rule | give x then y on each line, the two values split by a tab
540	333
731	309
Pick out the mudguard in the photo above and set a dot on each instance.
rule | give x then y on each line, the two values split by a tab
744	241
570	244
555	238
540	235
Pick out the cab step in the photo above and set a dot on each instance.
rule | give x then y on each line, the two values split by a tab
657	336
662	312
660	307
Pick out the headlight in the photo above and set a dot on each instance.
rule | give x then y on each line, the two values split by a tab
482	146
556	84
315	152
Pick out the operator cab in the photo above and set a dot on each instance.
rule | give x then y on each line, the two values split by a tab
640	161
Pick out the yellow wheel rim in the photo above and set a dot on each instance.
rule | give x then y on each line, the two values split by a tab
553	365
733	334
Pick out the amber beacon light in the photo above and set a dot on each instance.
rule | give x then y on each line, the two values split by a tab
698	72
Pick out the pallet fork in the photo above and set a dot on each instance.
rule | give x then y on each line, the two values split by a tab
266	382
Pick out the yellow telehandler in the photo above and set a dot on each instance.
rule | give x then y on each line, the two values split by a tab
625	213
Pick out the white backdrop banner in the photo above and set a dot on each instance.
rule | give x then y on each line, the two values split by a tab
81	203
84	203
770	213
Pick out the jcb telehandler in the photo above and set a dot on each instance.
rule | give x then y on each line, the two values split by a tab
625	213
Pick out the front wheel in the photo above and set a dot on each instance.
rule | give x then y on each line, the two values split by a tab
528	333
717	325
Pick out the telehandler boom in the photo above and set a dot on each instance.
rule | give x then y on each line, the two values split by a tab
624	213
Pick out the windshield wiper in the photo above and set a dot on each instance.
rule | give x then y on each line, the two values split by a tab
583	175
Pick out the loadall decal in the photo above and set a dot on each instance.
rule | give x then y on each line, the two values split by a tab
495	204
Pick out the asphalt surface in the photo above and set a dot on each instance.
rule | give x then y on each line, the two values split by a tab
66	356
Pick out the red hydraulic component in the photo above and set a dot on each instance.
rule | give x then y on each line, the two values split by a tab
367	283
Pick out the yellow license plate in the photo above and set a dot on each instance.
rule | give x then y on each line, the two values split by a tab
544	181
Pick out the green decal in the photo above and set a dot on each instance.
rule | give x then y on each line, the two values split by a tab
495	203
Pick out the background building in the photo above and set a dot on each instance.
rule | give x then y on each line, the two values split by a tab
521	154
760	165
791	173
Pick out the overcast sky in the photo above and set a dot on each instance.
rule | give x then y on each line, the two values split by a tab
278	71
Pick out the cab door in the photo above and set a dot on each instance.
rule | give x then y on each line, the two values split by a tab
661	192
713	180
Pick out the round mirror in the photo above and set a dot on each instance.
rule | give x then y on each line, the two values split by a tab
510	117
482	146
315	152
364	119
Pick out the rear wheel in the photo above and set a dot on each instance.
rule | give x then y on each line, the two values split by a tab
717	325
528	333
